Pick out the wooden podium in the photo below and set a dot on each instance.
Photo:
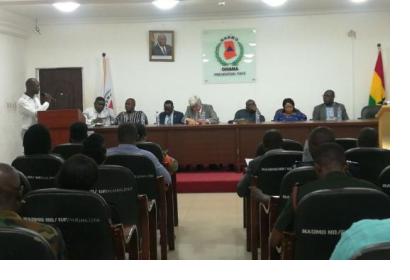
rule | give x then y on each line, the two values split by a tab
59	122
383	116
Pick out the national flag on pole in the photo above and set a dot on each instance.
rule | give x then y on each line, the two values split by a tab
107	83
377	88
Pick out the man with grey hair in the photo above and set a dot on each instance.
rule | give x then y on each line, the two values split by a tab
198	113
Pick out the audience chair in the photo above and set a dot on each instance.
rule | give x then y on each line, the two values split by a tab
371	162
40	170
25	186
83	218
270	172
379	251
68	149
347	143
291	145
172	197
148	183
268	212
117	185
384	180
369	112
322	216
18	243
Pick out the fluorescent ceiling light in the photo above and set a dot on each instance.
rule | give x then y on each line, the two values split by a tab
274	3
66	7
358	1
165	4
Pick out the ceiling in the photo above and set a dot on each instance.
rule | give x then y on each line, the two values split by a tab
143	10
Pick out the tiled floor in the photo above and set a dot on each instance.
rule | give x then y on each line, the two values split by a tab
210	228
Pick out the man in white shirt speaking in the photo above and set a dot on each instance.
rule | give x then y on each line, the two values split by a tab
29	104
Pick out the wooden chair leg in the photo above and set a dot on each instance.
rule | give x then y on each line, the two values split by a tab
264	233
254	228
175	198
162	211
244	211
143	226
170	219
248	223
153	232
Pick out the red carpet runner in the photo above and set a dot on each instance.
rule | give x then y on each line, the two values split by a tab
203	182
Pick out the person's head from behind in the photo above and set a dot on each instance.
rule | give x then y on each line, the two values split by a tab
37	140
319	136
250	106
94	148
130	105
195	103
127	134
10	193
141	132
368	137
78	132
79	172
288	105
168	107
330	157
272	139
162	39
32	87
99	104
328	97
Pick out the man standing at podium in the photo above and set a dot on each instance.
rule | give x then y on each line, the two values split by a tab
29	104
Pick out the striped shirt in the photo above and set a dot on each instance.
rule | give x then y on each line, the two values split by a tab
134	117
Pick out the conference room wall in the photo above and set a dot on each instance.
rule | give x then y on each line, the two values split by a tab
297	56
12	75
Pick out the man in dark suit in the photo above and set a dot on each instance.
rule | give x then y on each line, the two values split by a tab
329	110
161	47
169	116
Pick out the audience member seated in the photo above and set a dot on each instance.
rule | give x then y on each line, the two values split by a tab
79	172
127	135
130	115
329	110
99	114
361	235
10	198
288	113
272	141
330	166
198	113
319	135
169	162
368	138
37	140
170	116
94	148
78	132
250	114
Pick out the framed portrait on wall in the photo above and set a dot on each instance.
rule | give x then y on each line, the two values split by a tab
161	46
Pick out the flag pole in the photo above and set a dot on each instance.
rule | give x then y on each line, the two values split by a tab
104	71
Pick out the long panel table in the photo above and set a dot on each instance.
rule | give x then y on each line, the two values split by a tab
229	143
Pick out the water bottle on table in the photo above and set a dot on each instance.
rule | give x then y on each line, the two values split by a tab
156	118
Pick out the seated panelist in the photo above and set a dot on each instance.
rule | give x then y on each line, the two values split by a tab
250	114
288	113
99	114
130	115
329	110
198	113
170	116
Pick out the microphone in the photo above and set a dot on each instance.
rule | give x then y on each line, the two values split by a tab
44	94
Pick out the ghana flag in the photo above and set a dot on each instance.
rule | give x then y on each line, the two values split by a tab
377	87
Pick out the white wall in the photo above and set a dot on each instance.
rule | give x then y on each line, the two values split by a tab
12	77
297	56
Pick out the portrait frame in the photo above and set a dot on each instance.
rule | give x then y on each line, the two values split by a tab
164	53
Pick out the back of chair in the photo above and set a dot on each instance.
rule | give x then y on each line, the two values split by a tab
298	176
83	218
153	148
142	168
371	160
322	216
117	185
369	112
25	186
68	149
380	251
384	180
274	165
291	145
347	143
18	243
40	170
